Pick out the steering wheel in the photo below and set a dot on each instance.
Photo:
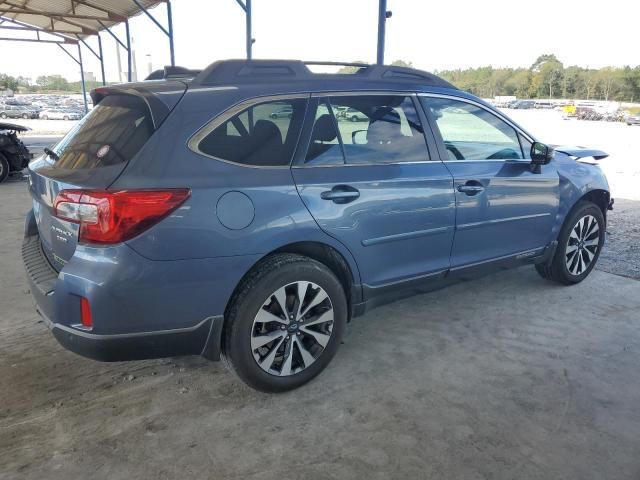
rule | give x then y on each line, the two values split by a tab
454	151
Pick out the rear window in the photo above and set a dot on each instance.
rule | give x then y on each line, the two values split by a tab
111	134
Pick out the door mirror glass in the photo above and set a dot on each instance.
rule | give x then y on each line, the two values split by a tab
541	154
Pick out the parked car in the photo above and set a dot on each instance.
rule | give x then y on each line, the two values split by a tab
285	112
523	104
59	114
17	111
542	104
177	218
14	155
633	119
353	115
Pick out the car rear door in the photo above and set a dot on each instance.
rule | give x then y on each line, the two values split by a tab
503	207
372	185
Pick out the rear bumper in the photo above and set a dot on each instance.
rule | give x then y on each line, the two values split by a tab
204	338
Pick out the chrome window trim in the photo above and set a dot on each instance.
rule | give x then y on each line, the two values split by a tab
194	141
341	93
499	115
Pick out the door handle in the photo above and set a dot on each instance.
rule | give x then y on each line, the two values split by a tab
341	194
472	187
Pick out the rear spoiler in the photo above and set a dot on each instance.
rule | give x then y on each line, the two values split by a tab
580	153
160	98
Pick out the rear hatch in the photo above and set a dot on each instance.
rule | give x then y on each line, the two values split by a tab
94	154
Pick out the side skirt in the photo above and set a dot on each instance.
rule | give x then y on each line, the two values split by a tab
375	296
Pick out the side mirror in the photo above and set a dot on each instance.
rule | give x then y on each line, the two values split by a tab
359	137
541	154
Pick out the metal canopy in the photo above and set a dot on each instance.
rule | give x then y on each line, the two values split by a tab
71	17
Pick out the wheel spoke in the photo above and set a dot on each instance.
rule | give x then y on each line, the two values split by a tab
593	228
589	255
307	358
281	298
261	340
321	338
264	316
592	243
325	317
302	292
286	366
581	263
319	298
267	361
571	249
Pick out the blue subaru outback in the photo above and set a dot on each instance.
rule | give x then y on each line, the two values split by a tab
187	215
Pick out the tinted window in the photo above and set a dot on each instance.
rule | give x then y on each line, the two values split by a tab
379	129
472	133
265	134
112	133
324	146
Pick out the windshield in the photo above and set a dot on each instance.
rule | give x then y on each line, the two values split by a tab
112	133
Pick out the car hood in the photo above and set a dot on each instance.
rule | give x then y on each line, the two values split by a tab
580	152
14	127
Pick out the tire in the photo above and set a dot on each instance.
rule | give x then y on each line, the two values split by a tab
4	168
571	265
25	116
274	116
65	118
3	115
296	354
354	119
44	117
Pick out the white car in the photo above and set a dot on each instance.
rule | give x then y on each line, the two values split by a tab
53	114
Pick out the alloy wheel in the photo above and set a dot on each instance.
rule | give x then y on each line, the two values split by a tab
292	328
582	245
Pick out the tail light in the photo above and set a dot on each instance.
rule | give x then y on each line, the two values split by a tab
113	217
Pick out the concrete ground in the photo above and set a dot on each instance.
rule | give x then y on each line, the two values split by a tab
508	377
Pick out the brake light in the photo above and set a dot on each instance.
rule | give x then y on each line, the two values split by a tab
113	217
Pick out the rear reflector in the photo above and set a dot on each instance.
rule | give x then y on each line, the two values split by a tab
85	313
113	217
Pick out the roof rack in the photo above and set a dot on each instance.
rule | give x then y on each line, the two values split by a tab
172	72
259	71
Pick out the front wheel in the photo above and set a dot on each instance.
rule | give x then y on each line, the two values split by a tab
285	323
579	244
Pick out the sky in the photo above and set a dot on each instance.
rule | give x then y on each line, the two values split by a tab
434	35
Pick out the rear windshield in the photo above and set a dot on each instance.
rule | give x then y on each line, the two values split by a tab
111	134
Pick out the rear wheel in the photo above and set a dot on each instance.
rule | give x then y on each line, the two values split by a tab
354	119
285	323
25	116
4	168
3	115
579	244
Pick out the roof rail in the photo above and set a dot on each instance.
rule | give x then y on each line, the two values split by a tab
172	72
260	71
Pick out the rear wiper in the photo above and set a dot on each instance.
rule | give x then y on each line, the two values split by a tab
51	154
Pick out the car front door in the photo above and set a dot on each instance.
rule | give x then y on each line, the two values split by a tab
374	185
504	208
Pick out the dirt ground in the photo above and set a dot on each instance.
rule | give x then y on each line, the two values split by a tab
506	377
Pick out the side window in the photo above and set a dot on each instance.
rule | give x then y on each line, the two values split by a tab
324	146
262	135
379	129
526	146
472	133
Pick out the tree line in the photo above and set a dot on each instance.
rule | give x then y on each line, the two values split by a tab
42	84
549	78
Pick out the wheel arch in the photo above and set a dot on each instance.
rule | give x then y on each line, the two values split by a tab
321	252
